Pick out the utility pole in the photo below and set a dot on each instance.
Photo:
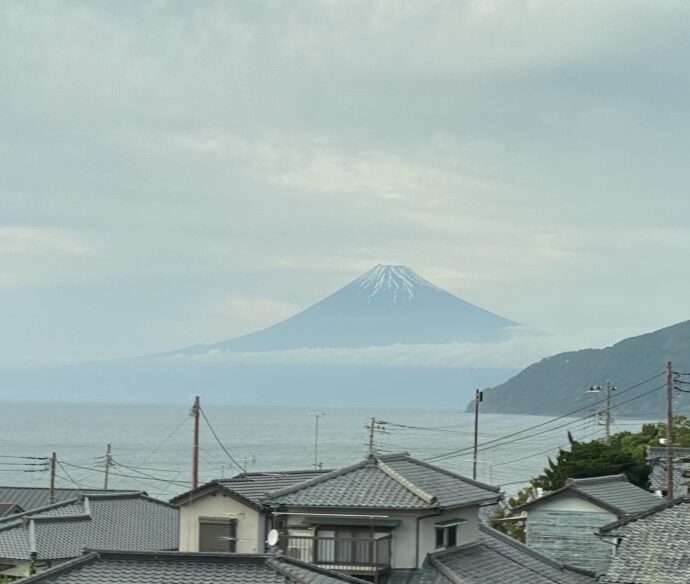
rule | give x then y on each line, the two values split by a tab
53	464
108	461
372	426
608	418
317	415
478	397
669	431
195	450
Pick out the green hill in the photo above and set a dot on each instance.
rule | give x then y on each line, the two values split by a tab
557	385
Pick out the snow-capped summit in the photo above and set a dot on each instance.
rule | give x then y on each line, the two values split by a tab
398	283
387	305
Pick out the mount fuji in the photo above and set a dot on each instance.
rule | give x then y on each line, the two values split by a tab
374	342
387	305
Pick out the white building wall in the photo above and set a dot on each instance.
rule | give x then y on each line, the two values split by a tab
250	523
567	502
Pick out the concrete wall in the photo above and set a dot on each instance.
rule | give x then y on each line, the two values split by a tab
250	523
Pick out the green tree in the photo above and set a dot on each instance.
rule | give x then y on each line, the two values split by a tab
593	459
514	529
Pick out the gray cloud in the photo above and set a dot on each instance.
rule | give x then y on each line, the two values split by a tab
528	156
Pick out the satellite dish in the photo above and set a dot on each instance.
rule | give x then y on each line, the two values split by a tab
272	537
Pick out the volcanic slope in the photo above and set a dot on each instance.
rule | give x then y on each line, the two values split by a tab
385	306
557	385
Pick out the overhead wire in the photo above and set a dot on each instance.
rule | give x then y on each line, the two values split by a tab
210	427
485	445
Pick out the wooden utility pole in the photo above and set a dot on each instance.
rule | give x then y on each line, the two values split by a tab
478	396
53	464
669	431
195	450
108	461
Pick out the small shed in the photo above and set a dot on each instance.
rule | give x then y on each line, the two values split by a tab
563	524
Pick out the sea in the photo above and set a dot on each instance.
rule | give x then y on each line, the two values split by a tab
151	445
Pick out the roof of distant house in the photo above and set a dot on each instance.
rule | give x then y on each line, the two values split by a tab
29	498
116	567
130	521
653	545
612	492
251	487
9	509
658	477
660	452
394	481
496	557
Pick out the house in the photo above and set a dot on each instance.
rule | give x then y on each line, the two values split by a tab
30	498
118	567
228	515
652	546
494	558
44	537
658	478
563	524
383	513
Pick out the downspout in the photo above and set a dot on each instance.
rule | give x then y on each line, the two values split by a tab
416	555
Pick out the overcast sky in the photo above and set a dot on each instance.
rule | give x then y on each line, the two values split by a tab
183	172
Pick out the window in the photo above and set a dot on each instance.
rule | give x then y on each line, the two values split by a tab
447	533
217	534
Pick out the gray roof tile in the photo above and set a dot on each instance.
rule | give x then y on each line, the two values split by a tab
125	521
655	546
613	493
29	498
254	486
617	492
387	482
106	567
496	558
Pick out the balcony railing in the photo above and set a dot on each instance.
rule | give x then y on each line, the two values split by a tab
343	553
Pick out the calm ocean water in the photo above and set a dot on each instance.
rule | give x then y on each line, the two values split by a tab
152	444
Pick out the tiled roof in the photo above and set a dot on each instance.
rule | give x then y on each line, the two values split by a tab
387	482
496	558
654	547
253	486
613	493
114	567
617	492
9	509
659	452
29	498
129	521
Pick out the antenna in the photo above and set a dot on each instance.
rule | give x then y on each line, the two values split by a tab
317	415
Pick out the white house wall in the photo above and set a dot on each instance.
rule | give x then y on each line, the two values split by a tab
250	523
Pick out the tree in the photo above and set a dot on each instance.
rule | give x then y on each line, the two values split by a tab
626	454
593	459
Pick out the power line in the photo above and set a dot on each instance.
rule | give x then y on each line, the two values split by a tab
143	477
210	427
462	451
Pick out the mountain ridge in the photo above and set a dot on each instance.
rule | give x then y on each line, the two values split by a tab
389	304
557	384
